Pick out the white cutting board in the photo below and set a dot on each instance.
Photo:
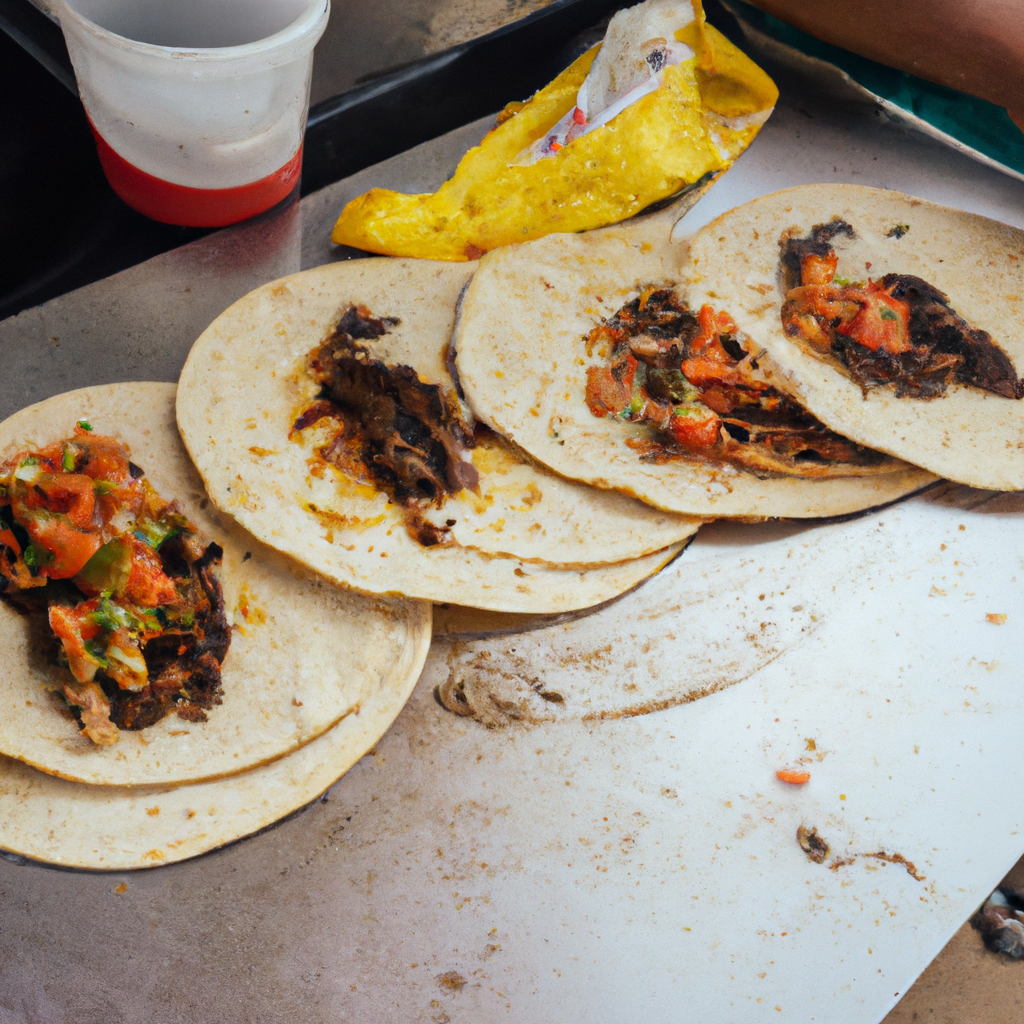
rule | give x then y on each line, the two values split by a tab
647	868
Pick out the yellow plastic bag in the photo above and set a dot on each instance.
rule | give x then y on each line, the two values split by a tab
706	112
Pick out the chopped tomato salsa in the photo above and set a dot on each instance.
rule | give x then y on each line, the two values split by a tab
899	330
691	379
121	575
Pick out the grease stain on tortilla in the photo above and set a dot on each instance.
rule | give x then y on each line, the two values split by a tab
248	610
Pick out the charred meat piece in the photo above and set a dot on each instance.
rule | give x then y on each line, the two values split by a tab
408	435
812	844
184	663
800	254
1001	926
974	358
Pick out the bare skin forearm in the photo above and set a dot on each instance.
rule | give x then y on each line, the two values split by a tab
976	46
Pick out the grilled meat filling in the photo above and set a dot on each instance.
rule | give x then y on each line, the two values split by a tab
692	378
184	664
898	331
407	436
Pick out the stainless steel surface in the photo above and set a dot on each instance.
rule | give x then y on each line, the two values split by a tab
563	867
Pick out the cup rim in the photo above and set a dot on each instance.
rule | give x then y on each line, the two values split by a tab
301	35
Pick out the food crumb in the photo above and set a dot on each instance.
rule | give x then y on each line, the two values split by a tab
996	618
794	776
451	980
123	887
812	844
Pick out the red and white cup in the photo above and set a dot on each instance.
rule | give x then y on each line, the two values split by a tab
198	107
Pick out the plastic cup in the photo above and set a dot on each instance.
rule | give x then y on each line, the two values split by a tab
198	107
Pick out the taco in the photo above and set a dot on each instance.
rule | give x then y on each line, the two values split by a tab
580	349
894	320
180	647
665	103
321	413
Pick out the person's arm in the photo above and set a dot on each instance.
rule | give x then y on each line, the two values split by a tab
976	46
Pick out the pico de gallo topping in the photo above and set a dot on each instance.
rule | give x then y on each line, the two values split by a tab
694	380
898	331
126	584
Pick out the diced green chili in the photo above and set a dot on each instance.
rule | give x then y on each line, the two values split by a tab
36	557
108	570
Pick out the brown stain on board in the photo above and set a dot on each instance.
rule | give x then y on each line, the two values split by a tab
889	858
651	706
898	858
817	850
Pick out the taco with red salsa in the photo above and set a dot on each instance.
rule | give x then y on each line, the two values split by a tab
895	321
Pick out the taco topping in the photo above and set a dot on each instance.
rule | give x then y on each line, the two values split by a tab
127	586
694	380
898	331
408	437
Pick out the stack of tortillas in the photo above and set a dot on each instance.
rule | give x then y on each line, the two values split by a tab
567	514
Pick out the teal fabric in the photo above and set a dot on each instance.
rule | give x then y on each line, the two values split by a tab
976	123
